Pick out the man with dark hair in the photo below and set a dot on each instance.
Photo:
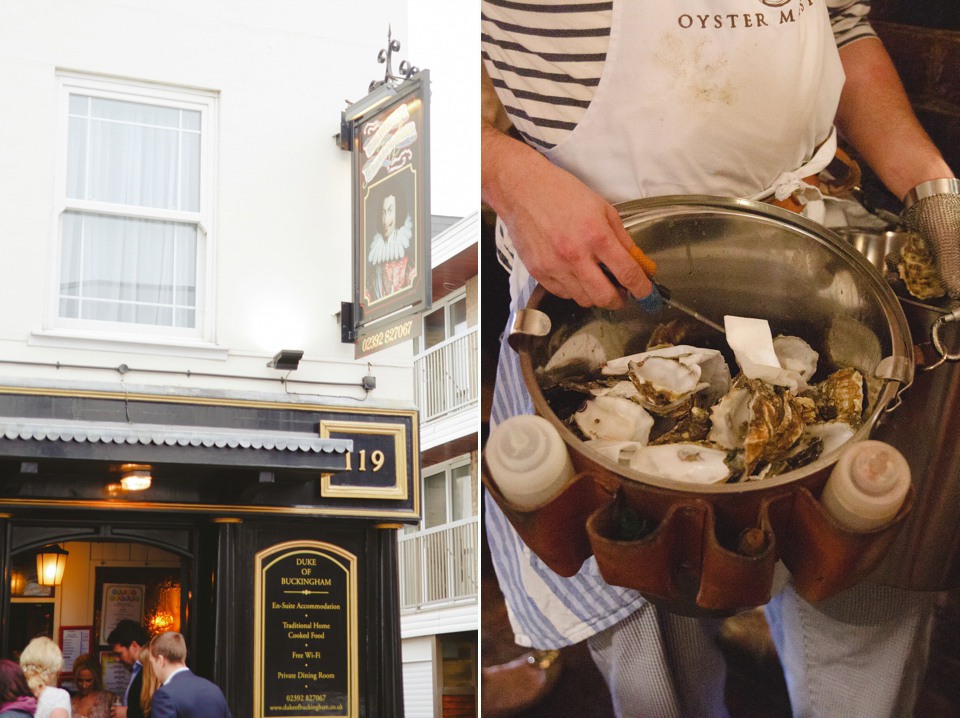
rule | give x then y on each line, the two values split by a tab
182	694
126	639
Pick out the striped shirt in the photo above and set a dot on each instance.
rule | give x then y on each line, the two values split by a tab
546	58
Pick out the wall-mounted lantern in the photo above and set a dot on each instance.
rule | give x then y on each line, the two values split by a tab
51	563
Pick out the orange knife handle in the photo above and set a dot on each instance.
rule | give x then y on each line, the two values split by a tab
648	266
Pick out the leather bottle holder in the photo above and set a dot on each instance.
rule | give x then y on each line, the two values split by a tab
556	531
691	561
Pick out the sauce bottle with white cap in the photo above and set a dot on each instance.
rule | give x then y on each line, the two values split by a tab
867	486
528	461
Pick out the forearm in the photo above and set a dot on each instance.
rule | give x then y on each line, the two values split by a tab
875	116
505	165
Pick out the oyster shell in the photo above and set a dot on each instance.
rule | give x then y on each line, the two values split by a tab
670	333
752	343
776	424
808	409
692	426
796	355
618	451
613	417
624	388
683	462
668	377
587	349
665	385
705	428
730	416
918	270
834	434
807	450
589	384
840	397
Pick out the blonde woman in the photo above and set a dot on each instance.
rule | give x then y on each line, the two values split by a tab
91	701
150	682
41	661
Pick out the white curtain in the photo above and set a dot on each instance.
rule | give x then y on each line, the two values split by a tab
124	269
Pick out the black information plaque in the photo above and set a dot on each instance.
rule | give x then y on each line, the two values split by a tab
377	466
306	634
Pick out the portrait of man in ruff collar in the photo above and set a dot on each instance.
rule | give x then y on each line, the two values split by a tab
391	252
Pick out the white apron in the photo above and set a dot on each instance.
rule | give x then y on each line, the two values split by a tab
733	98
729	98
696	102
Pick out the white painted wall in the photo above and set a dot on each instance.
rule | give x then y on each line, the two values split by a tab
284	70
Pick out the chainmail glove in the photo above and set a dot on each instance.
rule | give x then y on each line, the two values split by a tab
932	209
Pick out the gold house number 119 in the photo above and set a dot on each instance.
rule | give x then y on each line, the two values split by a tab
376	458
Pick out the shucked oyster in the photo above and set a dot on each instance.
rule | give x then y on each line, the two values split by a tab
666	379
683	462
705	429
765	421
665	385
612	417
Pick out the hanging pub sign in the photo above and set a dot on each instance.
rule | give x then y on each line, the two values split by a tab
388	134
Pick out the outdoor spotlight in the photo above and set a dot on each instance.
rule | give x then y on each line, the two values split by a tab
286	360
51	563
136	477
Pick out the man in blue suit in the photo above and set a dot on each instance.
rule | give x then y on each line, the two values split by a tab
182	694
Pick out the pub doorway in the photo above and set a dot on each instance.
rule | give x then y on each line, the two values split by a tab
103	582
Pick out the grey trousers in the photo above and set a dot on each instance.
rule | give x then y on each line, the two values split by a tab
860	654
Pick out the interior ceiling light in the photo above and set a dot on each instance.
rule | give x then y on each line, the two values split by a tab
51	563
18	583
286	360
136	477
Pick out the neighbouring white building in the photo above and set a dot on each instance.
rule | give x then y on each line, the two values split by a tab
439	559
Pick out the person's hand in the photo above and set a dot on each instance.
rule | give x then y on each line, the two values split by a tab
562	230
937	219
118	711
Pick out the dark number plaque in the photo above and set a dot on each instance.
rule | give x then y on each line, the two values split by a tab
306	633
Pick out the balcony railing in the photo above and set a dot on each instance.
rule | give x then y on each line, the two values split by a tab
439	566
446	376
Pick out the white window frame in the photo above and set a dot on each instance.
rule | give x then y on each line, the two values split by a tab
446	468
442	304
87	333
